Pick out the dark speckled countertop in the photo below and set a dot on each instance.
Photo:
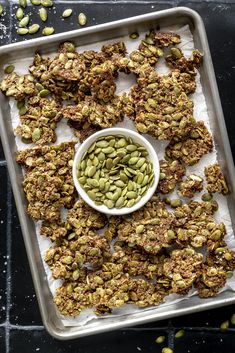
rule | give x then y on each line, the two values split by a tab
21	329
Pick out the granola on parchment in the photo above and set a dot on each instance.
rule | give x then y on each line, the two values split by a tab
169	245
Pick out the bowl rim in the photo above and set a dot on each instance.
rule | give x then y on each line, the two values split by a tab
83	147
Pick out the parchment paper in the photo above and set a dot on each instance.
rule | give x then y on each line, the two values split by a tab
64	133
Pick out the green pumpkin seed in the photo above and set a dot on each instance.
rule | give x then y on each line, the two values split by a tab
36	134
91	194
108	150
130	203
92	182
91	171
23	110
20	104
9	69
35	2
131	194
23	3
160	339
82	20
47	31
24	22
25	140
139	229
43	14
67	13
47	3
140	178
109	203
134	35
44	93
145	180
133	160
19	13
82	180
1	9
34	28
180	334
131	148
140	162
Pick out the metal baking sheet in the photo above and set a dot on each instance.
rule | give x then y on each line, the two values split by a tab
176	16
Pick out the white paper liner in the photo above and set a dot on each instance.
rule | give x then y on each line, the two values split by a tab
64	133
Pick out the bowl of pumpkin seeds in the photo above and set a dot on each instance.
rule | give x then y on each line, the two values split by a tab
116	171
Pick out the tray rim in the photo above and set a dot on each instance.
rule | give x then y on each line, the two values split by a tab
59	333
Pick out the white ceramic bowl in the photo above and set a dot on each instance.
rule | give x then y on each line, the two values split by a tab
136	138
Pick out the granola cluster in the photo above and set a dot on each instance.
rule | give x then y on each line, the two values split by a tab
48	182
215	179
167	246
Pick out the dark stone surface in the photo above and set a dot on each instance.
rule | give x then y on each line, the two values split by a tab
202	329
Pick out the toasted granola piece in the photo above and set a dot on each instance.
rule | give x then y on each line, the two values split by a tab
54	230
65	260
95	114
211	280
72	297
162	108
84	218
143	293
48	158
46	195
114	48
190	150
67	66
149	228
136	262
221	257
17	86
177	60
165	39
215	179
170	174
40	121
112	229
192	184
183	268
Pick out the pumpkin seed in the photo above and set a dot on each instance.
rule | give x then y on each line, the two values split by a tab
1	9
9	69
47	3
34	28
35	2
140	228
23	3
36	134
24	22
180	334
160	339
67	13
47	31
44	93
134	35
19	13
43	14
91	194
23	110
82	20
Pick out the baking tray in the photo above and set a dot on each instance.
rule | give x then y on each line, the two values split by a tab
180	16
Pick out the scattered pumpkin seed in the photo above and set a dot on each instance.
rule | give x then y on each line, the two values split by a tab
35	2
47	3
23	3
232	319
82	20
179	334
24	22
9	69
134	35
224	326
43	14
160	339
67	13
22	31
47	31
34	28
206	197
1	9
167	350
19	13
